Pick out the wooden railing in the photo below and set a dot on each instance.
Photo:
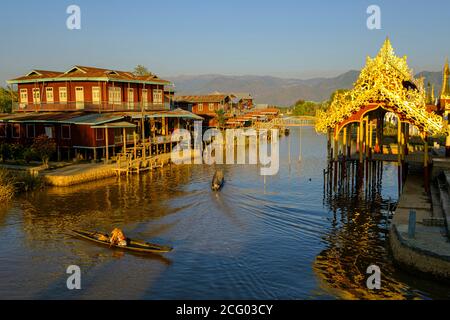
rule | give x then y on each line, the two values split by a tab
89	106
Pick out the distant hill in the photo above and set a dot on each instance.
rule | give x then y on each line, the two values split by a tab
277	91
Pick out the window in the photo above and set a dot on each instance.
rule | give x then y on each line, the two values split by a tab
49	132
114	95
211	106
145	97
3	130
24	96
49	95
157	96
99	134
130	97
200	107
15	130
96	95
63	95
65	131
31	131
36	96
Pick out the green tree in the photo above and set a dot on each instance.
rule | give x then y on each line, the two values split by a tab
221	119
140	70
44	148
7	97
306	108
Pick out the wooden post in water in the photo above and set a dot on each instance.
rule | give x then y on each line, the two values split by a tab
300	144
135	145
124	133
106	144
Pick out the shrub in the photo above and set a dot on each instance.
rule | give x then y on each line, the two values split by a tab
28	155
5	151
17	151
44	147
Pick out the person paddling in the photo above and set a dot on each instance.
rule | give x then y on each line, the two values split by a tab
118	238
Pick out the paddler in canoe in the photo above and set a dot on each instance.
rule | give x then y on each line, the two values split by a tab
118	239
217	181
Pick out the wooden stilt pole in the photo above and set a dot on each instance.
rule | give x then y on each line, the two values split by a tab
135	145
106	144
124	133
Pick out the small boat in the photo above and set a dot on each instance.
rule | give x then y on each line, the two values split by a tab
132	245
217	181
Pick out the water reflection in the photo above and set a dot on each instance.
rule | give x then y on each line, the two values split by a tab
285	239
358	238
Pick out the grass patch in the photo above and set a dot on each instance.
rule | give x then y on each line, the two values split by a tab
12	183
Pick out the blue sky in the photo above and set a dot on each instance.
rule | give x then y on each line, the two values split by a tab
287	38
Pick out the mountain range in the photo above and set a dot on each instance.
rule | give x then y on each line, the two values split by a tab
278	91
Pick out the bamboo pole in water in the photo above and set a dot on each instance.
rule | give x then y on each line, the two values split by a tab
300	144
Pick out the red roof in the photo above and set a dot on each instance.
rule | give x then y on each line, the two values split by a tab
87	72
200	99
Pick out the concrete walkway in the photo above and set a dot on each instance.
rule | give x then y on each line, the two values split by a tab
429	250
79	173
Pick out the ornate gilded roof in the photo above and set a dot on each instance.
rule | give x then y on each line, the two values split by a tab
387	80
446	82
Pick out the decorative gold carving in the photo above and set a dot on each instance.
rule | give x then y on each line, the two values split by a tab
385	80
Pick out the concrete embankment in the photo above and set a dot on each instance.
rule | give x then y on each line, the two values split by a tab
82	173
428	251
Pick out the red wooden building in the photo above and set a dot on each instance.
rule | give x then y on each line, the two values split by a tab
84	107
204	105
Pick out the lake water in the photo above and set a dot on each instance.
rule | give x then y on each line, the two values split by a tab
284	239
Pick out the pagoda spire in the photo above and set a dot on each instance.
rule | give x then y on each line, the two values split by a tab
445	81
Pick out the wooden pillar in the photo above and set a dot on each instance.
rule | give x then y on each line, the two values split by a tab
124	133
361	139
329	148
370	139
95	154
336	144
366	147
135	144
399	141
357	136
344	142
447	146
425	165
106	144
349	142
163	126
406	139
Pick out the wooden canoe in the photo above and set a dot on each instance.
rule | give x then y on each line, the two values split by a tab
132	245
217	181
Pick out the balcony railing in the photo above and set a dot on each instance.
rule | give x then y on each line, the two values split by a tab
89	106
